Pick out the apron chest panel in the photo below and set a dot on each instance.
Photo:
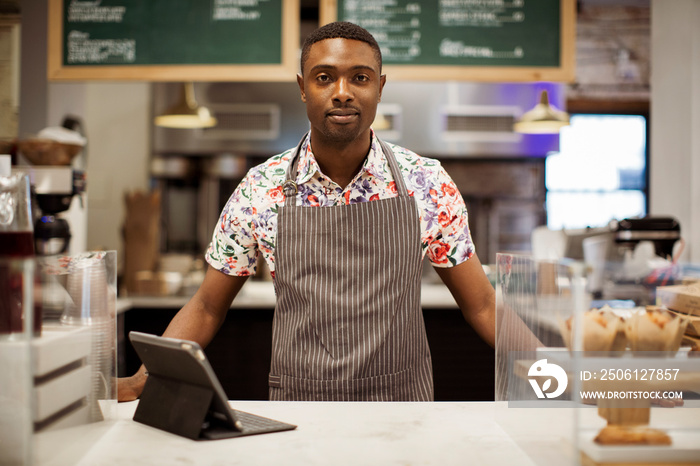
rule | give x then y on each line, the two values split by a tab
348	323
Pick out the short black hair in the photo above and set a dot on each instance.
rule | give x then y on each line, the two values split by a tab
340	30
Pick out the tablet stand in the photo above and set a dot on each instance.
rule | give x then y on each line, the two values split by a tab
174	406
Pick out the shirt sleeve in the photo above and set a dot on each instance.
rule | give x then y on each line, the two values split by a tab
450	242
233	249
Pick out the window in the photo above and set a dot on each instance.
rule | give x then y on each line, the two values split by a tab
599	173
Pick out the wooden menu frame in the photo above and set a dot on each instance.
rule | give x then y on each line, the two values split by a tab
286	71
565	72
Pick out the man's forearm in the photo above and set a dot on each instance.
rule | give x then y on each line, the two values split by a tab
474	295
483	321
202	316
195	322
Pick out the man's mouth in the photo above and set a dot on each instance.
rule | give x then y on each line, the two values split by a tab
343	115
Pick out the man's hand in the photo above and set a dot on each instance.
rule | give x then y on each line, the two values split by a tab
668	403
130	388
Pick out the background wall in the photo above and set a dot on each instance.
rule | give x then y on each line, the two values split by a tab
612	51
117	122
675	120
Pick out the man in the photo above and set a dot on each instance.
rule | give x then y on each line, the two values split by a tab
343	221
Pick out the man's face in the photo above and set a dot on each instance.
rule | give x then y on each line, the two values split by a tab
341	86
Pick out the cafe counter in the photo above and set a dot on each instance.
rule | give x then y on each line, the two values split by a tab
261	295
366	433
328	433
241	351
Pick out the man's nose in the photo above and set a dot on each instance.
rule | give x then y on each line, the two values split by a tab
343	92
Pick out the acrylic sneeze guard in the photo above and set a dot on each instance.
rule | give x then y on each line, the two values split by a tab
558	394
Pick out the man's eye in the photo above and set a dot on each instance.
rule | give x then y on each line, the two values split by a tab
323	78
362	77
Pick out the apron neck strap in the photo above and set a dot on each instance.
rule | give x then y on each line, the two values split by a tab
394	167
290	186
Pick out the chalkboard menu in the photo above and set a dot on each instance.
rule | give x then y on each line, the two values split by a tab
486	40
173	40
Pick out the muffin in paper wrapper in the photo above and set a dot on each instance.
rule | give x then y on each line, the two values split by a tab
603	330
655	329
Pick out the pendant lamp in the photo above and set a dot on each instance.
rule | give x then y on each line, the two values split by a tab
542	119
186	113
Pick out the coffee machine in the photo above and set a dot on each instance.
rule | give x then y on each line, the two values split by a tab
662	232
53	190
645	257
628	258
55	182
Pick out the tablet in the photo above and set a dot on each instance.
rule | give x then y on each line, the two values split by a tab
183	396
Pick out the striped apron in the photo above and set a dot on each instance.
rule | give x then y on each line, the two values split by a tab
348	324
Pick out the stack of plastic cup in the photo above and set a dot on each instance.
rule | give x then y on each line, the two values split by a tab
88	288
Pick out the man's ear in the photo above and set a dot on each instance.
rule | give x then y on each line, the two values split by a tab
300	82
382	81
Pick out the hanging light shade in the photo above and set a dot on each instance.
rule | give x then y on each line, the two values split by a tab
186	113
542	119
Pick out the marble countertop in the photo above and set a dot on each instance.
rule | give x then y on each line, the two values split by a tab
328	433
261	294
369	434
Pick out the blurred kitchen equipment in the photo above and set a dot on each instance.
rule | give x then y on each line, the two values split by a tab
627	235
548	245
641	257
157	283
48	152
54	145
194	191
627	259
662	232
174	262
16	242
9	147
54	189
595	254
16	230
55	182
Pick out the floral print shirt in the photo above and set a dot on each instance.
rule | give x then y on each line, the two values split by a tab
248	223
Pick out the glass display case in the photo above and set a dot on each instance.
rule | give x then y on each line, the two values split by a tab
595	382
57	355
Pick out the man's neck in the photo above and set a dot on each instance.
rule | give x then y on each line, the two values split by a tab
341	163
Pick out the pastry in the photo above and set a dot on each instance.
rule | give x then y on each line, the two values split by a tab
603	330
632	435
655	329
